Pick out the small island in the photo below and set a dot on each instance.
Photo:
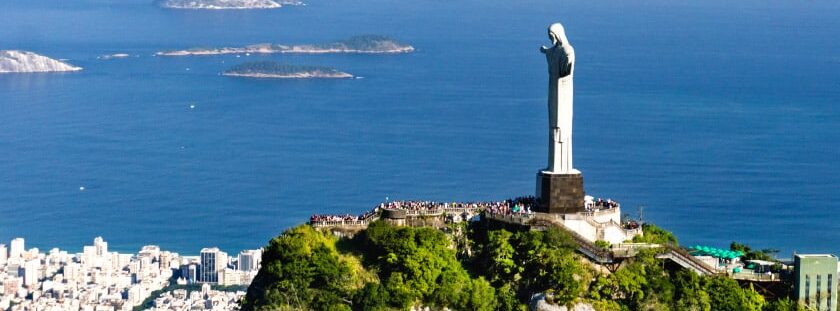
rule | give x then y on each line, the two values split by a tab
225	4
366	44
15	61
273	70
113	56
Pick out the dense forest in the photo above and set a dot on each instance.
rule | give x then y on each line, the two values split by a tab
476	267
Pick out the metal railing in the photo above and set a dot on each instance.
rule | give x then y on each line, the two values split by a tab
753	276
424	212
343	223
408	212
683	258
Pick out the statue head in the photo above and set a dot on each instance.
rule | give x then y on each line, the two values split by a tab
557	34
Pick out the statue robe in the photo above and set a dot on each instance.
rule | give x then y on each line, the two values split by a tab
560	58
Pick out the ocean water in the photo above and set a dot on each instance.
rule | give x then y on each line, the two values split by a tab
719	118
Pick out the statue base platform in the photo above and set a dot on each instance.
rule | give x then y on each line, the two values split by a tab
560	193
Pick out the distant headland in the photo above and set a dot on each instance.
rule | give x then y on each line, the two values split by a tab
12	61
273	70
225	4
366	44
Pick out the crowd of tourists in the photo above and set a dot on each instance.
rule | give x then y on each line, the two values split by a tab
600	203
343	218
431	206
521	205
517	206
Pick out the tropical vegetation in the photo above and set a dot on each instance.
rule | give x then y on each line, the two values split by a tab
477	266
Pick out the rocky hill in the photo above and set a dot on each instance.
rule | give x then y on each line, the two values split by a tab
25	61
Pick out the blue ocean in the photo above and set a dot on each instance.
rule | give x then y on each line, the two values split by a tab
719	120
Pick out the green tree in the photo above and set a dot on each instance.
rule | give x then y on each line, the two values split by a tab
725	294
603	244
373	297
657	235
752	254
420	267
784	304
689	294
550	264
753	300
506	297
566	276
606	305
640	285
402	296
482	296
502	267
628	284
299	267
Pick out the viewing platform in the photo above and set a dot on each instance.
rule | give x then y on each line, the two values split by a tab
395	210
598	222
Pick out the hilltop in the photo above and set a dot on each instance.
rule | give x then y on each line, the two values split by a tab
477	266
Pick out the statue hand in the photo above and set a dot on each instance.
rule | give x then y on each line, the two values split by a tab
543	49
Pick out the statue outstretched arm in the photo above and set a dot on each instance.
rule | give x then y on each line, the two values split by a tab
543	49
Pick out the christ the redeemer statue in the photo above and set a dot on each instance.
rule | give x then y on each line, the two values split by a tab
561	69
560	185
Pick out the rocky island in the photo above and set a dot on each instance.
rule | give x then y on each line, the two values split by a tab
113	56
273	70
367	44
225	4
24	61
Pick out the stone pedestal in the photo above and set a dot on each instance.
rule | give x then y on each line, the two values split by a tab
560	193
396	217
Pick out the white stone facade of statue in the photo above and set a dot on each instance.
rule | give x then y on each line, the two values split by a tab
561	67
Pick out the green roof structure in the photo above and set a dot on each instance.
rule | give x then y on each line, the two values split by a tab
700	250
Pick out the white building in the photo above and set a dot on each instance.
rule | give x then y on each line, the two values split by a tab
100	246
152	251
97	279
602	224
249	260
17	248
3	254
31	273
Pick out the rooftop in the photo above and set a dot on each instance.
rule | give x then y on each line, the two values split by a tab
815	256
